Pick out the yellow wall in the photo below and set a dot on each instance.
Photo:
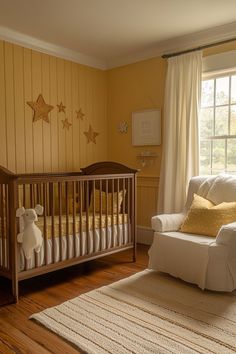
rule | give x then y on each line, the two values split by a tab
131	88
39	146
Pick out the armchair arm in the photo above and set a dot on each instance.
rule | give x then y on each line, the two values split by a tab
227	235
167	222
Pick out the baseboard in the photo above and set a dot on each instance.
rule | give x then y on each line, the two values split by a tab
144	235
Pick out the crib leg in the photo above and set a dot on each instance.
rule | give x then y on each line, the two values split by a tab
15	289
134	253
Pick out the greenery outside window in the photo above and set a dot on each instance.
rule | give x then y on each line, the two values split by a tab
218	124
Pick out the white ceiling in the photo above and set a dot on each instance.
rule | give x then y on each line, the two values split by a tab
115	32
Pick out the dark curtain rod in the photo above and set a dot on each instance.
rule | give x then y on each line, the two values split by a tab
166	56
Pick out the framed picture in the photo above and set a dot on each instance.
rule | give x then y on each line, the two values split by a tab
146	127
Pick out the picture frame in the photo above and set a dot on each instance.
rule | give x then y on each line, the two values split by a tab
146	127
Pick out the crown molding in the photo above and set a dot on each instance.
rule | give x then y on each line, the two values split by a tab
212	35
189	41
24	40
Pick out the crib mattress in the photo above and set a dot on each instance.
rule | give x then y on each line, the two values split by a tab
90	223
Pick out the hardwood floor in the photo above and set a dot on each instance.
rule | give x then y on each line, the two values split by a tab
18	334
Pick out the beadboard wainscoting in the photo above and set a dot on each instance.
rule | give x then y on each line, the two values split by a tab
41	146
147	187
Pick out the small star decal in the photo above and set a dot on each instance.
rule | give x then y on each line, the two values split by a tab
41	109
61	107
66	124
91	135
80	114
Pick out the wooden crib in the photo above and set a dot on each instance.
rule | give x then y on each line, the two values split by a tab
87	214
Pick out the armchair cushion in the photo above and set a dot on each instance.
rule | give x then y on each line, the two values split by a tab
223	189
205	218
167	222
227	235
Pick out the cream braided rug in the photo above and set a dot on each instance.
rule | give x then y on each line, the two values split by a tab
146	313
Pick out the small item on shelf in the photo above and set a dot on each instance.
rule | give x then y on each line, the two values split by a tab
146	158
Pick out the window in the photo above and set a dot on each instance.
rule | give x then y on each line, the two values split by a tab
218	125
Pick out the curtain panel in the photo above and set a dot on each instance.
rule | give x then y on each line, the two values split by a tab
180	159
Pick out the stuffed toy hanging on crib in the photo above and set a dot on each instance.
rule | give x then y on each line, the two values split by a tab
30	235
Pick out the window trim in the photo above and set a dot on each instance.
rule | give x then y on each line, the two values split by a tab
213	75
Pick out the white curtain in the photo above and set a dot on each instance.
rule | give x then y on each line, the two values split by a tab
180	159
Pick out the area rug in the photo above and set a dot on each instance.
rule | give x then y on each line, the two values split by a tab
146	313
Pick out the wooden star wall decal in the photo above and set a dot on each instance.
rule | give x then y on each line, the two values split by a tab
80	114
66	124
61	107
91	135
41	109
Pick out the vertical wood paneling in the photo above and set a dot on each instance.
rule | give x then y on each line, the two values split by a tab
46	127
83	124
54	115
61	115
19	109
28	146
38	125
29	152
75	121
3	150
10	108
89	108
69	113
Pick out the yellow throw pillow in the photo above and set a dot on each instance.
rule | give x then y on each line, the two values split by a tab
97	202
205	218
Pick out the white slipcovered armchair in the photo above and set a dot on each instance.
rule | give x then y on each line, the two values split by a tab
209	262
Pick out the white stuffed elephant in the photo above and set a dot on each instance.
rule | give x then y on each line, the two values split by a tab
30	235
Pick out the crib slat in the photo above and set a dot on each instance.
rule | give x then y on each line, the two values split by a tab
133	223
59	217
45	223
31	195
117	213
74	218
112	214
123	211
33	205
93	193
38	189
38	201
67	220
87	215
106	238
80	216
24	198
51	198
128	210
100	211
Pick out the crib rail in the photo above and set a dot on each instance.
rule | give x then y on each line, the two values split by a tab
86	215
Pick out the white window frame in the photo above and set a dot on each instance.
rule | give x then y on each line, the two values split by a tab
213	76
